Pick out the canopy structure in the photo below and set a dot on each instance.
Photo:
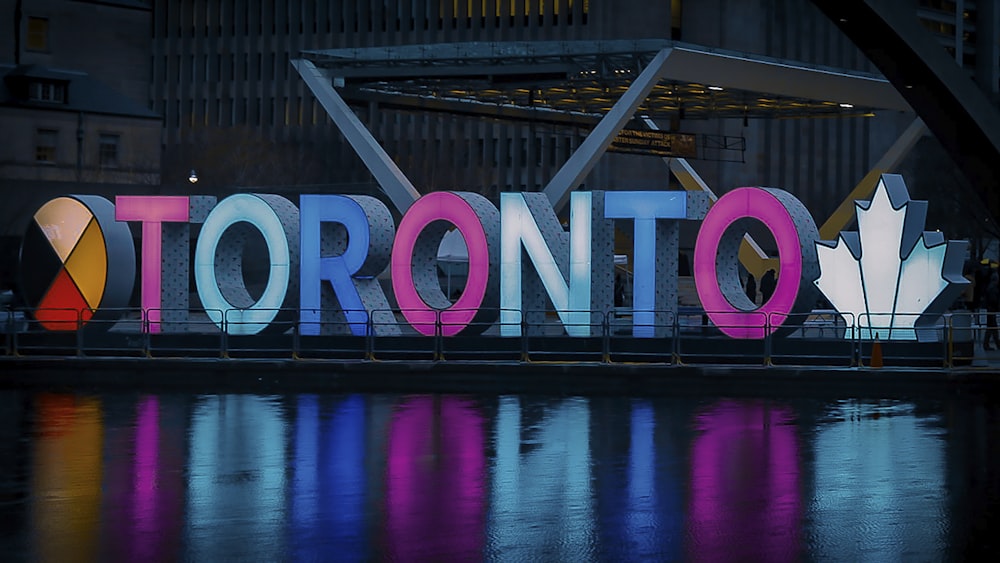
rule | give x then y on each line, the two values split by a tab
609	86
579	81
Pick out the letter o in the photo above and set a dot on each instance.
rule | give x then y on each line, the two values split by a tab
716	260
414	263
277	219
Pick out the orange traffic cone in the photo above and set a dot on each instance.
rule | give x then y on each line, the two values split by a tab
876	361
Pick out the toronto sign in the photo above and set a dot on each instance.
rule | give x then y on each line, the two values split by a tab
325	256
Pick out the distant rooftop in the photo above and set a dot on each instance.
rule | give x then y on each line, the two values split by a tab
82	93
136	4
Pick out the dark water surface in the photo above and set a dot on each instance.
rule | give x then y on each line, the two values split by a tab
312	477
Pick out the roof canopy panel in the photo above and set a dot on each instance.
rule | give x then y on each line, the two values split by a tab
579	81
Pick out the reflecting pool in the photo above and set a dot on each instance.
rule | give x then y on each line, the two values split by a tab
314	477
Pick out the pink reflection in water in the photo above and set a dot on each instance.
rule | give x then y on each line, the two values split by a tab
143	512
153	505
745	500
435	506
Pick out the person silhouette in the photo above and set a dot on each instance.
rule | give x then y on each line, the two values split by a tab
751	288
767	284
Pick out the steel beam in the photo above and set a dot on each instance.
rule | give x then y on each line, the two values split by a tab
474	108
582	161
955	110
390	178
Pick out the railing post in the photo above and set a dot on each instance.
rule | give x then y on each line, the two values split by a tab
524	339
15	338
145	331
675	347
9	328
767	340
856	337
438	337
79	332
949	349
295	340
10	332
224	340
370	336
606	337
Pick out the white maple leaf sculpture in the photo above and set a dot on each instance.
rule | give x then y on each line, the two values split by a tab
890	279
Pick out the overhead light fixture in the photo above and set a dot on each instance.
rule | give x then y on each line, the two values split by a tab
716	88
846	106
193	178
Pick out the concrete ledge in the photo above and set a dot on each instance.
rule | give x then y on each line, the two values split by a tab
211	375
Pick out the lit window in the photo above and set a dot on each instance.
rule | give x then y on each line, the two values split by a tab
45	145
107	150
38	34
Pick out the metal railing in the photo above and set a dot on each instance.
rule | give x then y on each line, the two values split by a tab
819	338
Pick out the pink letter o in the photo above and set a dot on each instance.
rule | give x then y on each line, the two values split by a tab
418	293
717	274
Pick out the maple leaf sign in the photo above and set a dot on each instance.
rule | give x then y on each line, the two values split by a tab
890	278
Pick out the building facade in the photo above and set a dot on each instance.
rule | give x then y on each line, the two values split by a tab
75	108
223	82
206	85
74	89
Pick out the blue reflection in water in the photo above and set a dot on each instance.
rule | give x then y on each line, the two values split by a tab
236	479
305	502
637	466
542	500
880	486
654	511
328	483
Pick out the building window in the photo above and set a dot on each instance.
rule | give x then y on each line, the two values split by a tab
107	150
47	92
38	34
45	145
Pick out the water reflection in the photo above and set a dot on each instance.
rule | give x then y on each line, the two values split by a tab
542	502
329	483
744	484
66	478
236	479
880	490
143	504
639	478
446	477
435	472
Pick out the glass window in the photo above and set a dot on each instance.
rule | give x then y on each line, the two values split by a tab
47	92
107	150
38	34
45	145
